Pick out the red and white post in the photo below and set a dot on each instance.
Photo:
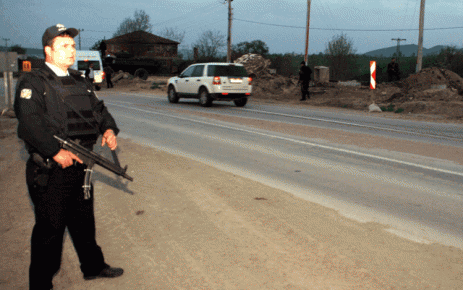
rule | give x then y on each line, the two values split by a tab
372	75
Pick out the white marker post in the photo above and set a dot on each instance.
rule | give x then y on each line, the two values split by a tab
372	75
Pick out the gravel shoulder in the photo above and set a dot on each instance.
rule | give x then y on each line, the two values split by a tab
185	225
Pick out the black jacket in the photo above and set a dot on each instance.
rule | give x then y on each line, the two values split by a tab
304	73
30	106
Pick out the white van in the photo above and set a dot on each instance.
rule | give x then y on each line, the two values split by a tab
83	60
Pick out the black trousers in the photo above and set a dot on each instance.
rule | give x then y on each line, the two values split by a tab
58	206
393	77
109	82
305	90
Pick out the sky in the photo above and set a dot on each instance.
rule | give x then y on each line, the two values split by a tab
279	23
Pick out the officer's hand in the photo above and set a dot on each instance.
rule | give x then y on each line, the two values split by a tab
66	158
110	139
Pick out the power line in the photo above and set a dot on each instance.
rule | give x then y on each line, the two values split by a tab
343	29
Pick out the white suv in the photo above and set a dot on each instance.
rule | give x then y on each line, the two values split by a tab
211	81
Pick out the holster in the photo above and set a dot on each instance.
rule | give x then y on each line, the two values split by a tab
42	173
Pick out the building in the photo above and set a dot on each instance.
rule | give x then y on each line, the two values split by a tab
142	44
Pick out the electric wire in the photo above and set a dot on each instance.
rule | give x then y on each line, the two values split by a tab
344	29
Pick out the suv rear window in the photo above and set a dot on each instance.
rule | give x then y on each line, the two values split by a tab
226	71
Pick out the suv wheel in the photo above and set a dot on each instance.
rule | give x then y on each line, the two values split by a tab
204	99
172	95
241	102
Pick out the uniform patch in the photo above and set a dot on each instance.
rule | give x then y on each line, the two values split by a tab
26	93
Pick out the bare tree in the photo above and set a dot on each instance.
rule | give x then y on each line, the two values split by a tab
140	21
209	44
341	57
172	34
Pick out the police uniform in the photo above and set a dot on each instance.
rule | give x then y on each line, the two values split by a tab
47	104
304	79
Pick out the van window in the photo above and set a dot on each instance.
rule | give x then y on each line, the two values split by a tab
226	71
83	65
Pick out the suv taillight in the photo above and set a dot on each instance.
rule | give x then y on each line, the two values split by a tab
250	81
216	81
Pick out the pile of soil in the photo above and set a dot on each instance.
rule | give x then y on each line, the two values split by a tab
432	92
255	64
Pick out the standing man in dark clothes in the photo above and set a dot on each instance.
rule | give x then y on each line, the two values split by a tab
89	73
393	72
108	74
46	104
304	80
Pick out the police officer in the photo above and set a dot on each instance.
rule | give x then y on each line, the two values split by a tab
58	101
304	80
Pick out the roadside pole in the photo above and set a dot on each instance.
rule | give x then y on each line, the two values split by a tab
8	64
230	15
419	60
307	32
11	94
5	86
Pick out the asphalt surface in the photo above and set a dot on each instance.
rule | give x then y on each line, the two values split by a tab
419	197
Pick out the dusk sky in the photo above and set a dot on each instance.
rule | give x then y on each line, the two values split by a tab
280	23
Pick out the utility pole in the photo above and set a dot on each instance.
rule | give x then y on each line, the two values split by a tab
230	16
419	60
398	46
307	32
79	37
6	43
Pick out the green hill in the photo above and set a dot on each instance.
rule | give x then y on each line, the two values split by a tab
406	50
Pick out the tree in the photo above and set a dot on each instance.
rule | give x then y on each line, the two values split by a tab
341	57
140	21
100	45
255	46
18	49
97	44
172	34
209	44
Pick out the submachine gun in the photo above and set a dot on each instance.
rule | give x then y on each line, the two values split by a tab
91	158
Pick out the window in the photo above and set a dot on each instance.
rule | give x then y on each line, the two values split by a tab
198	72
187	73
226	71
83	65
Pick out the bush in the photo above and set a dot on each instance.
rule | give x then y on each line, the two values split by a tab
155	85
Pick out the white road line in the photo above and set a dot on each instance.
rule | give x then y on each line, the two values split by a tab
302	142
350	124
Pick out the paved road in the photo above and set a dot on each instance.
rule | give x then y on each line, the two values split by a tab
421	198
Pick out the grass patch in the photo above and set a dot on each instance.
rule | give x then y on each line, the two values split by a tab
399	110
155	85
389	108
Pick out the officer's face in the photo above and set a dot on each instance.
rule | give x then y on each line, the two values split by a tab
63	52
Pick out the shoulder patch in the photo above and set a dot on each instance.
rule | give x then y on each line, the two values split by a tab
26	93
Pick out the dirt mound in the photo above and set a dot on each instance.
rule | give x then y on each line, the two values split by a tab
124	80
255	64
432	78
275	87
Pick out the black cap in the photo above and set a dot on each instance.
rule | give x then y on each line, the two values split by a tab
303	62
54	31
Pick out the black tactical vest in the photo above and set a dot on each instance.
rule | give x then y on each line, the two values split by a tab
68	107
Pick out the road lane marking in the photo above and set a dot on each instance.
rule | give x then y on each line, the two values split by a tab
366	155
351	124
